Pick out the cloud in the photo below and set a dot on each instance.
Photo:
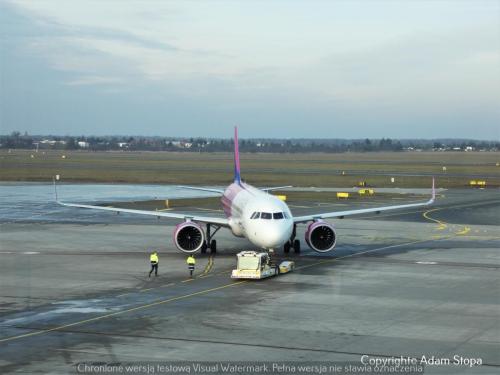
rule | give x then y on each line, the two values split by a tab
95	80
85	49
317	64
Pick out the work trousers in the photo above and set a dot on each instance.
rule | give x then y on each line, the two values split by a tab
154	267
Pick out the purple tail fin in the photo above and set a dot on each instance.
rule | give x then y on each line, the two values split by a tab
237	176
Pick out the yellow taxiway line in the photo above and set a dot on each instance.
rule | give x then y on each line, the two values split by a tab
208	267
463	231
97	318
58	328
442	224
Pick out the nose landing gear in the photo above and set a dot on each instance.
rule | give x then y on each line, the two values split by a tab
292	243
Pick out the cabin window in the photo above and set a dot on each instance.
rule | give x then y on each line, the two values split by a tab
278	215
266	215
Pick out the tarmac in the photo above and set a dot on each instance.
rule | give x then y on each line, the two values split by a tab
407	284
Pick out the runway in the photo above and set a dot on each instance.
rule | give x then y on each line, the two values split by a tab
412	283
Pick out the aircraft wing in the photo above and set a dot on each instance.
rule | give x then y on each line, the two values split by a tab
326	215
218	191
275	188
204	219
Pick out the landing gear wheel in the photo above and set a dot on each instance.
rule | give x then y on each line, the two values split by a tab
204	247
286	247
296	246
213	246
277	270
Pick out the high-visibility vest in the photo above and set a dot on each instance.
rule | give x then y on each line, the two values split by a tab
191	260
153	258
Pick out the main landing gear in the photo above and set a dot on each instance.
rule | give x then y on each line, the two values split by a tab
210	243
292	243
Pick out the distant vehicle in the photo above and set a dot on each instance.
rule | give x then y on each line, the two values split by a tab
250	212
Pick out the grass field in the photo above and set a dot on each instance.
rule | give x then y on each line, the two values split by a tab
336	170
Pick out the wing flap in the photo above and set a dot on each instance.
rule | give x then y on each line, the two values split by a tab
329	215
276	188
210	190
204	219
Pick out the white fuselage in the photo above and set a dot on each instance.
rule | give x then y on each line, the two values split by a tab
261	217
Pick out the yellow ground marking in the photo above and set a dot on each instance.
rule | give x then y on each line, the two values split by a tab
187	280
206	290
154	287
463	231
441	224
164	209
208	267
58	328
417	211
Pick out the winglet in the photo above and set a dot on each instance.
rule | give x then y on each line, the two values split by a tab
237	175
433	198
55	186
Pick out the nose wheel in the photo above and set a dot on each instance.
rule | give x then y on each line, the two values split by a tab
292	243
295	245
286	247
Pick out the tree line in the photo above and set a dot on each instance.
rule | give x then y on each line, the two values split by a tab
16	140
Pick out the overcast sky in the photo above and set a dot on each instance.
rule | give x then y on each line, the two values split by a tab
315	69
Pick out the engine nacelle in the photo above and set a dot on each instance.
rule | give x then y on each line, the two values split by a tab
188	237
321	236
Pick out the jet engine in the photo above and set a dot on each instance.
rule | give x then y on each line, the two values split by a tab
321	236
189	237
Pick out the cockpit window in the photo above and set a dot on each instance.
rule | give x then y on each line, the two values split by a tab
278	215
285	215
266	215
255	215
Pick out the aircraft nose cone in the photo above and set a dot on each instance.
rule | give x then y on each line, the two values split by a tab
272	239
274	236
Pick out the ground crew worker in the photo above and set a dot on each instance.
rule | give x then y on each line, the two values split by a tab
191	262
153	258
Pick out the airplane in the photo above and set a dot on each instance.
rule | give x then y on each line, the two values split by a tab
262	218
